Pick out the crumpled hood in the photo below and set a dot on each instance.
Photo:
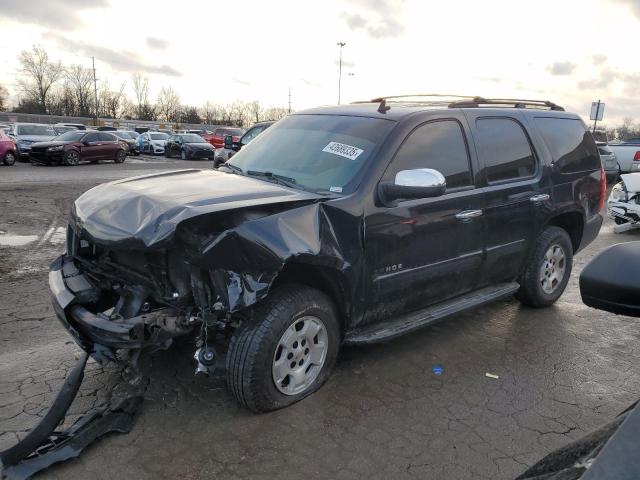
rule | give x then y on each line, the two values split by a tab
631	181
146	210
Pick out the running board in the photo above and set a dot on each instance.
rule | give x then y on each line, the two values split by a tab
415	320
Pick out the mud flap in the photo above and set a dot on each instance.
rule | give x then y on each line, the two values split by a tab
43	446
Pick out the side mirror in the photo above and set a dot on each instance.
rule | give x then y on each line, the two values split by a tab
610	281
228	142
413	184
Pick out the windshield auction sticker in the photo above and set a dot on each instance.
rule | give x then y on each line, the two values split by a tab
346	151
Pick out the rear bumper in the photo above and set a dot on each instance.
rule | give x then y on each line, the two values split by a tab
591	230
90	329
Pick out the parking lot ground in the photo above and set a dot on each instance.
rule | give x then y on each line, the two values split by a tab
384	413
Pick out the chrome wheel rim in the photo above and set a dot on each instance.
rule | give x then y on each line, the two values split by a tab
299	355
73	158
553	267
121	156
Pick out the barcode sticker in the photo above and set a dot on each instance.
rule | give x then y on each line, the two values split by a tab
346	151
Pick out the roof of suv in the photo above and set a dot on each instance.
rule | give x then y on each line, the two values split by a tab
391	108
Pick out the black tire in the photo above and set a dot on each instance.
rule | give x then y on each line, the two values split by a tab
531	290
71	158
252	349
9	159
167	153
121	156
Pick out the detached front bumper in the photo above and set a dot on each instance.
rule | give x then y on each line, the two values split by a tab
73	297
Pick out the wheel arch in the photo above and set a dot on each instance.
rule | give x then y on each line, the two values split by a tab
573	223
328	280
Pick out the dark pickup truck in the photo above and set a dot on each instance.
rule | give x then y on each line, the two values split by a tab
349	224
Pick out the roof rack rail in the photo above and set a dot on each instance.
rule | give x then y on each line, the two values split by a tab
458	101
514	102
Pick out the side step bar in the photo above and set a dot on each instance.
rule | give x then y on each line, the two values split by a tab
415	320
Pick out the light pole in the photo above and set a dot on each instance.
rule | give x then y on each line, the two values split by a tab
340	44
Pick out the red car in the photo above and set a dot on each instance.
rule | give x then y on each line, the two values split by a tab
217	137
8	153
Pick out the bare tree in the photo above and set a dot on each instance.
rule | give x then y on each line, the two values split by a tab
209	112
113	102
141	91
255	110
38	75
168	104
80	81
3	98
190	115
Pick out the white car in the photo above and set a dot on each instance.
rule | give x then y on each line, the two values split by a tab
623	206
152	142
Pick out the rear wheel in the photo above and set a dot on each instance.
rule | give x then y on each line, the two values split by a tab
71	158
548	269
9	158
285	351
120	156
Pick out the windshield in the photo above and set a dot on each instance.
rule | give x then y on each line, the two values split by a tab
193	139
42	130
158	136
73	136
318	152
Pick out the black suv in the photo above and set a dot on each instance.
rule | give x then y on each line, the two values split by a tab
348	224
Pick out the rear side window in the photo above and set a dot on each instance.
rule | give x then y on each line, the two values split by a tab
91	137
439	145
107	137
504	149
572	147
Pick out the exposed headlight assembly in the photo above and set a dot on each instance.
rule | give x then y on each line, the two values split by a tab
618	193
55	149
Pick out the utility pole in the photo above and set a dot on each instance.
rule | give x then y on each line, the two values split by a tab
95	88
289	99
340	44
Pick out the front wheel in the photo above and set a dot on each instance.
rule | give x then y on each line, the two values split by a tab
120	156
548	269
71	158
285	351
9	159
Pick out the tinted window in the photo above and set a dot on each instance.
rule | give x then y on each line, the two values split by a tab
192	138
158	136
439	145
571	145
42	130
106	137
504	149
91	137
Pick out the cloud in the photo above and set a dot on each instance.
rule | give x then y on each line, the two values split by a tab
345	63
561	68
241	82
378	18
606	76
598	59
61	14
120	60
157	43
633	4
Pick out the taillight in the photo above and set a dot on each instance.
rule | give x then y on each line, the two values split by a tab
636	157
603	188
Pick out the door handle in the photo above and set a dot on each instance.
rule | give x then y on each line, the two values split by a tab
467	215
543	197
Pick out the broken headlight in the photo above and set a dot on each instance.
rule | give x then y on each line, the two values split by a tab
618	193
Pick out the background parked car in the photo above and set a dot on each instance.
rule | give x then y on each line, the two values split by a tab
8	152
5	128
188	146
217	138
627	155
60	129
609	161
152	142
130	140
230	147
71	148
77	126
27	134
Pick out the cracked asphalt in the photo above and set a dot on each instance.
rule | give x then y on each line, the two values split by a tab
384	413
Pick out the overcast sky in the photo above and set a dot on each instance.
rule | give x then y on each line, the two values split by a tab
570	52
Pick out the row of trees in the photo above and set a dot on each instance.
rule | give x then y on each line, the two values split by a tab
49	87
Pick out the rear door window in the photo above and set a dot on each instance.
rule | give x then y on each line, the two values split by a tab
571	146
91	137
439	145
106	137
504	149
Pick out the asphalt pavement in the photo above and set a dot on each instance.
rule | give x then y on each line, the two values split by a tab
420	406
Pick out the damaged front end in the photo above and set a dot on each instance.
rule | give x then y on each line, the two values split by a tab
623	206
